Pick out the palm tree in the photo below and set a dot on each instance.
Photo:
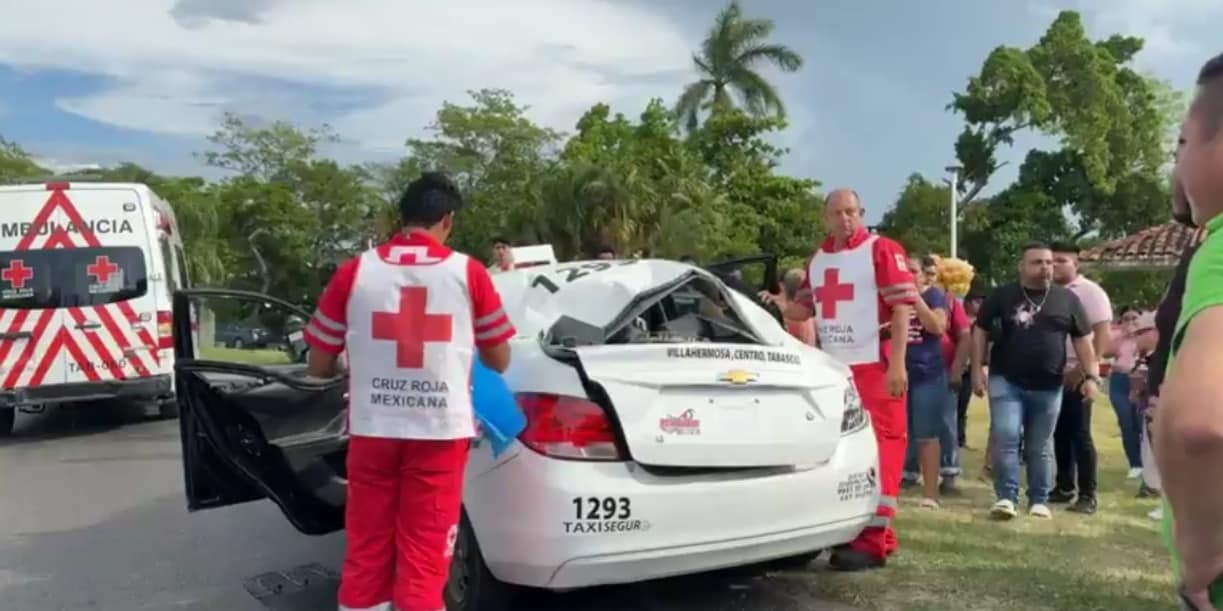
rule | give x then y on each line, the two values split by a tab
727	61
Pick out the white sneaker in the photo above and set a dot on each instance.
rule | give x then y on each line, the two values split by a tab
1134	473
1040	510
1003	510
1157	514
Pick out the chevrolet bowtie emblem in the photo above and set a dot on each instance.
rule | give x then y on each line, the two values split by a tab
737	377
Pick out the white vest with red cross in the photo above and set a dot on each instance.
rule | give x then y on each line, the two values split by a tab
846	297
410	346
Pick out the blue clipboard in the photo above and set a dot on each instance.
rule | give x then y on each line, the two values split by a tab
495	408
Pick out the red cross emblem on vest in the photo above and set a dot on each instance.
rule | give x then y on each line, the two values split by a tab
17	274
832	292
411	327
101	269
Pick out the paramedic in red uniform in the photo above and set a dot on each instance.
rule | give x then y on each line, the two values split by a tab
412	315
858	289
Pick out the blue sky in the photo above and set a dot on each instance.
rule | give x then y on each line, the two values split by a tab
80	84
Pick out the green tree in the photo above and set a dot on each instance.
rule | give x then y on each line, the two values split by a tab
497	156
919	219
727	64
16	164
1111	121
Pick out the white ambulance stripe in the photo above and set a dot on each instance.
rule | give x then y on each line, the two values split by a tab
484	321
323	336
15	346
494	332
108	351
55	373
326	322
114	346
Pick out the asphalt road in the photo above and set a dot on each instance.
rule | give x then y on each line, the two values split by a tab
92	517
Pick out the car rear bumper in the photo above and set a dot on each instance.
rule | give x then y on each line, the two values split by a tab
147	387
524	515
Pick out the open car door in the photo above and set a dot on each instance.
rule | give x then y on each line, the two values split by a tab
253	424
749	276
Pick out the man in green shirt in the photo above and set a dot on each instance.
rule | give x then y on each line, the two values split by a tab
1188	435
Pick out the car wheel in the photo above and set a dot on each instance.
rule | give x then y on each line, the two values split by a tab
471	587
795	563
8	415
238	344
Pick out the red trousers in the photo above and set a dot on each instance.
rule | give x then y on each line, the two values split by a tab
402	518
888	419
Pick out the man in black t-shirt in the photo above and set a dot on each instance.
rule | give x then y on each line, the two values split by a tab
1027	323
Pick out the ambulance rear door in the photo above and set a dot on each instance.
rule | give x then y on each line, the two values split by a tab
106	282
30	316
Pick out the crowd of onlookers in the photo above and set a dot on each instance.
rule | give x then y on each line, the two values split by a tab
1043	416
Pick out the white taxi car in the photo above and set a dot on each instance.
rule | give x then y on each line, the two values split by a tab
673	427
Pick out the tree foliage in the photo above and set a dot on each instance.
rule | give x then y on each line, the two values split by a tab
727	64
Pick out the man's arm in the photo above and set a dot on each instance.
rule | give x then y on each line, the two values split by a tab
1100	314
1082	337
491	325
327	327
1189	436
932	314
898	291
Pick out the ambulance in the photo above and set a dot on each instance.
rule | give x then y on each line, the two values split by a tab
87	271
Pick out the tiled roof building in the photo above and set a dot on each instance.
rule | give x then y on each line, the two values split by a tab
1153	248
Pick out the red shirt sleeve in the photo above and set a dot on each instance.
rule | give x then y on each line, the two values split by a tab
958	322
491	324
327	327
896	284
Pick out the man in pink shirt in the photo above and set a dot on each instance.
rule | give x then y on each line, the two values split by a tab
1073	447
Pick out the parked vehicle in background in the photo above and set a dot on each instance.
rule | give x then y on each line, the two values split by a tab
86	276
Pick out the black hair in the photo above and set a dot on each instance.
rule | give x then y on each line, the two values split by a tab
928	261
428	200
1210	93
605	248
1128	308
501	240
1211	71
1036	245
1064	248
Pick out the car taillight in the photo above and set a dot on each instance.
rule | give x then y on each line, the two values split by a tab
567	427
165	330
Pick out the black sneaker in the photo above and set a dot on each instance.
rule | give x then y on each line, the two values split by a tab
947	487
1147	492
1085	505
850	560
1060	496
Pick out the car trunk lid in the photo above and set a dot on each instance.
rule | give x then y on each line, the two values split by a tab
720	405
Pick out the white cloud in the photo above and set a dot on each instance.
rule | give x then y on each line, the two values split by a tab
174	70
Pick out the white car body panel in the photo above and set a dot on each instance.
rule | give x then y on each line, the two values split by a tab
768	473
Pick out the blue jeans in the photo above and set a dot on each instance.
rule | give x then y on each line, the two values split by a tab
932	414
1128	418
1013	409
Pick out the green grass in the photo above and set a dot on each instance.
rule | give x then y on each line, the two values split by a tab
957	558
245	355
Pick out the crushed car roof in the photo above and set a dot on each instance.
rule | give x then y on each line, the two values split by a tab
593	292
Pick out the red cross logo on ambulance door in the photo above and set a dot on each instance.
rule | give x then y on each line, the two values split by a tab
411	327
101	269
17	274
832	292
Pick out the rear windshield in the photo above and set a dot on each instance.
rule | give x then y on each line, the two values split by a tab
71	277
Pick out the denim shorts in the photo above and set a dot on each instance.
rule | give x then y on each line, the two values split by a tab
931	407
